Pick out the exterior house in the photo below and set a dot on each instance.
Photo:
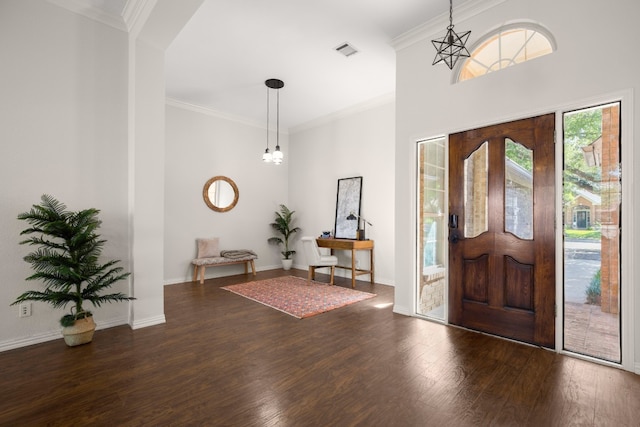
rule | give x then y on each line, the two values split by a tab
584	212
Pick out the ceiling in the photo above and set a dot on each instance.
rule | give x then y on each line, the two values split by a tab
222	57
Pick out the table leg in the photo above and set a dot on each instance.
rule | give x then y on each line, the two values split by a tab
371	265
353	268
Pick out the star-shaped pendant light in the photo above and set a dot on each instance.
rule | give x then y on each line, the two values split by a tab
452	46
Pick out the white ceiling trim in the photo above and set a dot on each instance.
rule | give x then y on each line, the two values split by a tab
379	101
137	11
439	24
218	114
93	13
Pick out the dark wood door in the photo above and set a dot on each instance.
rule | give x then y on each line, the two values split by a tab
501	230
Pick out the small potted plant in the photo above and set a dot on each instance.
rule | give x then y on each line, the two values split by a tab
67	262
283	225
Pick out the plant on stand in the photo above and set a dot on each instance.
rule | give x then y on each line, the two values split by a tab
67	262
283	225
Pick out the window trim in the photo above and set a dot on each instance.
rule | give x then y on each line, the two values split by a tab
525	25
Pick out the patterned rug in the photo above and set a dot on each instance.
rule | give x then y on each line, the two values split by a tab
297	296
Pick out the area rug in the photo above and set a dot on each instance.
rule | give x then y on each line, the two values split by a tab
298	297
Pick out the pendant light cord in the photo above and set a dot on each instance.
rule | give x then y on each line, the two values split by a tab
267	118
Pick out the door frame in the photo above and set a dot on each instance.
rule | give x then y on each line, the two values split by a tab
627	269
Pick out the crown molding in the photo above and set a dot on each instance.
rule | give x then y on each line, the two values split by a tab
439	24
95	14
218	114
136	11
379	101
133	11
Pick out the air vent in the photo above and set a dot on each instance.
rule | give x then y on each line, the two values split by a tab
346	49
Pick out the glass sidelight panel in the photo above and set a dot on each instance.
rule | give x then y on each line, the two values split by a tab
518	190
431	228
592	232
476	192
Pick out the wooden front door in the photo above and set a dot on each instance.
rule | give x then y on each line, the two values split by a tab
501	230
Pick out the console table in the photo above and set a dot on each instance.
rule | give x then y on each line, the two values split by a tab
353	246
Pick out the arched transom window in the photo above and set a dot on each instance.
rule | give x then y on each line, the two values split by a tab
508	45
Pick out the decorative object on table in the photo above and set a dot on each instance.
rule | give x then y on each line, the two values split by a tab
452	46
220	193
283	224
315	259
298	297
66	260
326	235
348	201
361	233
277	155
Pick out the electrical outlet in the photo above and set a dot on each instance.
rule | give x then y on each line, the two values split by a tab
25	309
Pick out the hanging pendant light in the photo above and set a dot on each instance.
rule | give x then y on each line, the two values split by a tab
266	157
452	46
277	155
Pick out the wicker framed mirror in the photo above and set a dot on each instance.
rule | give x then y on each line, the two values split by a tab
220	193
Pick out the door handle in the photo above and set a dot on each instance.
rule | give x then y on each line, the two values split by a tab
453	221
454	237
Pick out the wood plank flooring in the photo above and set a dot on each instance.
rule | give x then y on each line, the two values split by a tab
223	360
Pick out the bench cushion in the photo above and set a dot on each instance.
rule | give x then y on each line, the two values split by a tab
221	260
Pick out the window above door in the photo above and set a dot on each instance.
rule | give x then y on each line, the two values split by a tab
506	46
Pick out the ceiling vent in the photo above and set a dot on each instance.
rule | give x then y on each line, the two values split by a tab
346	49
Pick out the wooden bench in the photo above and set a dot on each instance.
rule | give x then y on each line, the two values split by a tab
201	264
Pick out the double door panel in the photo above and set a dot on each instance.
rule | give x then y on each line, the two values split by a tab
501	230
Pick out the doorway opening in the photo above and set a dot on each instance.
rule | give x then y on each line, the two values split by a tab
591	198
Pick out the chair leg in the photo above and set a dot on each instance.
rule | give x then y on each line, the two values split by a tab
333	269
195	273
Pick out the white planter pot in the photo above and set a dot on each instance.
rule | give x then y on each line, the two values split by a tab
287	263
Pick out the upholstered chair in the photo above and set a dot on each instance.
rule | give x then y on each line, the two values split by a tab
316	259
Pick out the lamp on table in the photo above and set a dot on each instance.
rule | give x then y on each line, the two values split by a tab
360	234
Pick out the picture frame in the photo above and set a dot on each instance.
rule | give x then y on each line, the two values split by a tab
348	200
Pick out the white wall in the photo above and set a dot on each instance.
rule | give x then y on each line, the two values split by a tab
595	59
63	131
359	142
200	145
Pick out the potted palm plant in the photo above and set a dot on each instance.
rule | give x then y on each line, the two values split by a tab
67	262
283	225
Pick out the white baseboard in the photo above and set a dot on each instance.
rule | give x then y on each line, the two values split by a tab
52	335
150	321
27	341
405	311
215	275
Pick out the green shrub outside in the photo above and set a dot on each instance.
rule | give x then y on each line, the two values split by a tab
593	291
582	234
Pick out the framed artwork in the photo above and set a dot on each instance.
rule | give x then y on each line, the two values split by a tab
347	203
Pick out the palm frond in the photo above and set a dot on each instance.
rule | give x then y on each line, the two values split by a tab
67	258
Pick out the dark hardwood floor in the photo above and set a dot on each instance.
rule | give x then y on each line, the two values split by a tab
223	360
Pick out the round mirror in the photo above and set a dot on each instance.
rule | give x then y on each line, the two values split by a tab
220	193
